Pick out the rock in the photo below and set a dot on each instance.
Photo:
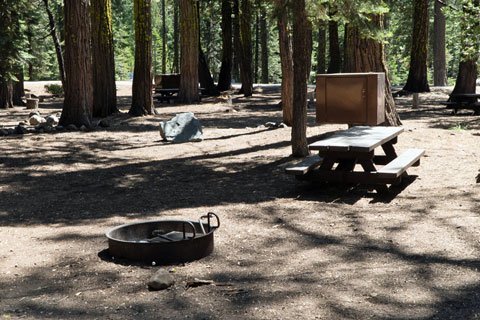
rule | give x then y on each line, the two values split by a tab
23	123
182	128
21	130
52	120
59	128
72	127
271	125
161	280
103	123
282	125
33	113
36	120
83	128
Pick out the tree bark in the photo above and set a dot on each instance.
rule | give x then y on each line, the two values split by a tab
142	98
367	55
104	87
417	80
236	41
322	47
286	60
225	76
56	42
439	57
189	44
6	95
257	49
77	105
335	62
164	40
301	56
264	44
245	48
19	90
176	33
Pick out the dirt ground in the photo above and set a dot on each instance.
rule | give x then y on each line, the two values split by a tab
285	249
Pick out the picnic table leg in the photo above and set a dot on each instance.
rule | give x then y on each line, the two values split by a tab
389	151
369	166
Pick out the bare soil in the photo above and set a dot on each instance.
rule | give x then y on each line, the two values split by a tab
285	249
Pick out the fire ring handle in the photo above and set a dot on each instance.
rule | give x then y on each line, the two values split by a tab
208	216
191	227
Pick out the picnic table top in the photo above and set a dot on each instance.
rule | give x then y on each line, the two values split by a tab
360	138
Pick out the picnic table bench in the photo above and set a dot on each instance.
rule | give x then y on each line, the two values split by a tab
466	101
339	154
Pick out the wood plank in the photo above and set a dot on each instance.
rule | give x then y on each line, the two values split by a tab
360	138
305	165
400	164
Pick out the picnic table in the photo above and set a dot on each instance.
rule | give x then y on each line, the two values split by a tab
166	94
467	101
339	154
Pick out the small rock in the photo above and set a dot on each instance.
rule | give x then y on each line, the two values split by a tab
83	128
21	130
72	127
271	125
33	113
23	123
59	128
161	280
282	125
36	120
52	120
40	138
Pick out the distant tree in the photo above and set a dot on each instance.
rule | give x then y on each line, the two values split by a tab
176	35
104	88
439	55
56	42
264	43
322	47
189	51
225	77
164	39
335	61
142	97
77	106
245	47
417	76
301	56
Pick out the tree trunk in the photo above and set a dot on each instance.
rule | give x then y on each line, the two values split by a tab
176	33
466	79
439	58
225	77
322	47
236	41
19	90
164	40
257	48
189	44
205	77
367	55
77	106
56	43
104	87
417	80
264	45
6	95
142	99
245	48
301	56
335	62
286	60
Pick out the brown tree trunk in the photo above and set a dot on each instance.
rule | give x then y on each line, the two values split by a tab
286	60
236	41
204	75
335	62
264	45
19	90
417	80
176	35
245	48
56	43
164	40
367	55
104	87
189	44
225	77
322	47
301	56
6	95
142	99
439	58
466	78
77	106
257	49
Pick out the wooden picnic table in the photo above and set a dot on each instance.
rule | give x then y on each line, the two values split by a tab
166	94
467	101
339	154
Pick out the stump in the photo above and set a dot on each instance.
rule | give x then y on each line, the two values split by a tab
32	103
416	100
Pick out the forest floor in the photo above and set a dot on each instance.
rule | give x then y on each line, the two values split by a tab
285	249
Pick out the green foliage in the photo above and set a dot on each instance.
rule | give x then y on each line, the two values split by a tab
55	89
